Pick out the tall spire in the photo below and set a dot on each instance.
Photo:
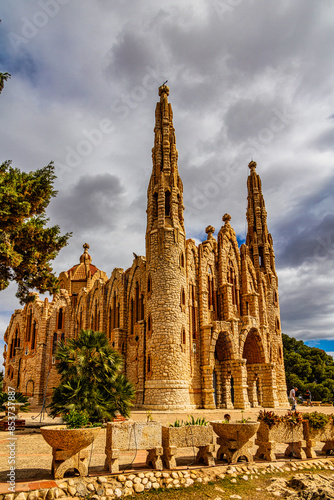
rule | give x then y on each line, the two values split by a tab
258	239
165	190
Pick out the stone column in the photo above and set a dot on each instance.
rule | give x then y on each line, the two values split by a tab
239	373
269	388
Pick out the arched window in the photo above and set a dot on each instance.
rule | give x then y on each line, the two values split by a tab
29	323
277	324
118	315
80	320
149	284
231	278
275	296
141	307
179	208
167	203
149	364
132	318
110	323
114	299
54	343
96	326
60	319
182	259
155	205
211	291
183	297
33	340
137	302
183	335
193	313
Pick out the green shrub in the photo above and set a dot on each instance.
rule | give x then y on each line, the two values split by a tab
76	419
317	420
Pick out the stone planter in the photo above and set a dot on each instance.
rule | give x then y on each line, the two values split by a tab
127	436
234	439
199	436
311	436
267	438
68	448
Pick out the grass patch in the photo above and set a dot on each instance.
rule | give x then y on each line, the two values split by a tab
251	489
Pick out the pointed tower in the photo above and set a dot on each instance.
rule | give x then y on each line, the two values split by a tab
167	377
258	239
261	251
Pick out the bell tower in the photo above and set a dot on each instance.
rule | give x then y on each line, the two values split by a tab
167	377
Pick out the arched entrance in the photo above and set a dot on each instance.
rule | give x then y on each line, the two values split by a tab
253	353
224	386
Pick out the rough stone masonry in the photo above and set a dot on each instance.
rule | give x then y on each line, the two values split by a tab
198	325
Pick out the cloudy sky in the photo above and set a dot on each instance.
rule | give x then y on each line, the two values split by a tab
249	79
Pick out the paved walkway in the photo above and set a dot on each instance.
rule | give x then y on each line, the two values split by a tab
33	455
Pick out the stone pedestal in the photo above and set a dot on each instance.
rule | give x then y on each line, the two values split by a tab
234	450
235	439
63	460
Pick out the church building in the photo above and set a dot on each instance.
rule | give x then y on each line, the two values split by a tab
198	326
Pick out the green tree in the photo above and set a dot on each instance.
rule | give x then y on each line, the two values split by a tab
3	78
308	368
91	378
27	244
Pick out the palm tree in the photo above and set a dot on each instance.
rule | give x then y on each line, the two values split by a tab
91	378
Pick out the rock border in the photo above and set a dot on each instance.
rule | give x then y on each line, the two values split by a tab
109	487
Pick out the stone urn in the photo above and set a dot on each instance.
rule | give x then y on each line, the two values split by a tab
12	409
281	432
312	436
199	436
234	439
68	448
11	421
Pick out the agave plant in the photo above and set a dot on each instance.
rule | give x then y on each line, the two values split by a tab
91	379
292	418
19	398
269	417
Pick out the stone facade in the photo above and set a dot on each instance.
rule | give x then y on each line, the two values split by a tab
198	326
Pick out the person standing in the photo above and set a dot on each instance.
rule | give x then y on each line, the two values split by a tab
308	397
292	397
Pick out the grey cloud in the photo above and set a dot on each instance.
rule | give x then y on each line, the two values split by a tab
325	141
313	241
92	203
